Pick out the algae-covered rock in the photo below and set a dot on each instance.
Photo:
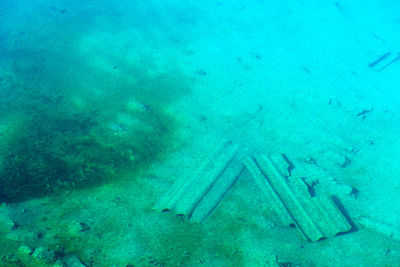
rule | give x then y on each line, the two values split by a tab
72	261
43	255
59	263
75	228
9	261
25	250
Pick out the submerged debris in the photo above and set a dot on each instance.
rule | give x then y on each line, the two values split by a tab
384	61
315	217
198	195
363	113
380	227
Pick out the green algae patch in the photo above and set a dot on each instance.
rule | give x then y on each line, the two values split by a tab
80	106
75	137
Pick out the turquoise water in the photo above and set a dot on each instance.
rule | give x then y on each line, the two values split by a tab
124	122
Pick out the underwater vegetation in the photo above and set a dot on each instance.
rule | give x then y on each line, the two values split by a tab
58	135
46	152
74	112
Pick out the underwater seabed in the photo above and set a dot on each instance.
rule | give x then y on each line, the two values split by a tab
119	221
153	217
71	144
162	133
117	224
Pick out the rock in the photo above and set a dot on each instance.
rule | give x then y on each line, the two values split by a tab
339	188
73	261
9	260
345	189
60	252
84	226
272	261
75	228
44	255
136	106
336	158
60	263
25	250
